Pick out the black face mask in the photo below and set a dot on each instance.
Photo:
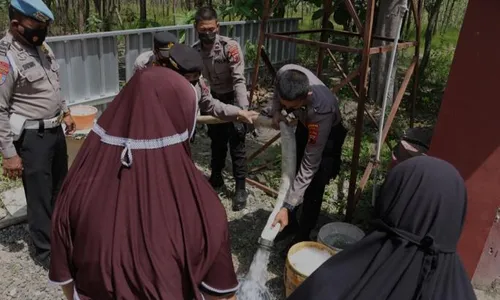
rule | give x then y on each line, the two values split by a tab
207	37
29	34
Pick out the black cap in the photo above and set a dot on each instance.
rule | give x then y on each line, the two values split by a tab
163	41
185	59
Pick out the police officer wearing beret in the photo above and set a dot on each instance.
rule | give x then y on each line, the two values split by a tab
224	68
319	137
187	61
162	43
32	141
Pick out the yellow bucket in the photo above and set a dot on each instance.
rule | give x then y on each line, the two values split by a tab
292	277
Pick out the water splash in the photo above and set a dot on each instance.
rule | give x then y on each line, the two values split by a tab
254	285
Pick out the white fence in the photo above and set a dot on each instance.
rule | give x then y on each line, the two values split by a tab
93	66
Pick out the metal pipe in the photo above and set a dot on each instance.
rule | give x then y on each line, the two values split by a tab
402	10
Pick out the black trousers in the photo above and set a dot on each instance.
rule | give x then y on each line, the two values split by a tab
45	162
232	133
328	170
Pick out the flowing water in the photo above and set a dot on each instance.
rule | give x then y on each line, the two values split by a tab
254	285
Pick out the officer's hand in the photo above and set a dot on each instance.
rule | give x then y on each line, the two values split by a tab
70	125
247	116
276	120
281	218
13	167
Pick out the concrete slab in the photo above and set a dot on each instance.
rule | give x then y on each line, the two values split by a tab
14	200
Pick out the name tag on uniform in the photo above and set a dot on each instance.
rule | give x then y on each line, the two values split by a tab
29	65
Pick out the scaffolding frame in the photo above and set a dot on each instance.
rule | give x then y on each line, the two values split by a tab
360	92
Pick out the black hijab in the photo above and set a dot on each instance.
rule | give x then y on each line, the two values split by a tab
411	255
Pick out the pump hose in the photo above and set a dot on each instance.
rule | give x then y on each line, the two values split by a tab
288	166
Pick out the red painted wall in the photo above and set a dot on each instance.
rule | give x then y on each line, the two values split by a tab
468	130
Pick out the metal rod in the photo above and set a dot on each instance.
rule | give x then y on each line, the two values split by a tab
354	15
334	31
344	75
314	43
264	147
353	89
263	166
327	10
416	78
267	62
389	47
402	11
416	15
367	38
262	37
271	192
387	127
301	31
346	80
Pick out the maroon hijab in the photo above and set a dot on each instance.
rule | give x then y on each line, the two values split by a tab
135	218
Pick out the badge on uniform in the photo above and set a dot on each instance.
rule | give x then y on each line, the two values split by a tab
4	69
313	133
233	53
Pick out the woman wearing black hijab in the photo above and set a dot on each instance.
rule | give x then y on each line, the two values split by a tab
412	253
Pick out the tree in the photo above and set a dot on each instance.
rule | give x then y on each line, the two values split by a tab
387	25
432	7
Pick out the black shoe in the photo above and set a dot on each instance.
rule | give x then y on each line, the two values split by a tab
240	195
216	180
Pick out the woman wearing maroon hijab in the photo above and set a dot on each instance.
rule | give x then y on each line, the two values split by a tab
135	218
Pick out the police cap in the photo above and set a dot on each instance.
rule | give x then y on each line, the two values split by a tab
185	59
163	41
34	9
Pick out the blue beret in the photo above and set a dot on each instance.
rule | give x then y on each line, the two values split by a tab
34	9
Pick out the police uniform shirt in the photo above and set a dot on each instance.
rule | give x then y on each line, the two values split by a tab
208	105
143	60
320	115
29	86
224	68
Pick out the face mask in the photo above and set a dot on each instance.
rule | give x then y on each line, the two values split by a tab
36	37
207	37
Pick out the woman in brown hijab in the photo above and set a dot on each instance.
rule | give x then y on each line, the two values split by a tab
135	218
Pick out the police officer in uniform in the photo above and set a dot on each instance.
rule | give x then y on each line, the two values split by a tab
319	137
187	61
32	141
162	43
224	68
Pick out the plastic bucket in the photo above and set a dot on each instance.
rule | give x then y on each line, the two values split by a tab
293	277
338	235
84	116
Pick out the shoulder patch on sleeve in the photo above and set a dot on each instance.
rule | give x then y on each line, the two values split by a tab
4	68
313	129
233	52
